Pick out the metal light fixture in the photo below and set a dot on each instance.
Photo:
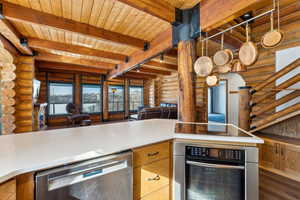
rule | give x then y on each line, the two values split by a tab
138	68
161	58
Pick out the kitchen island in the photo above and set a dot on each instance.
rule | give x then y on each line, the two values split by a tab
35	151
150	142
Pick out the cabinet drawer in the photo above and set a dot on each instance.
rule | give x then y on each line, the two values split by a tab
162	194
151	177
148	154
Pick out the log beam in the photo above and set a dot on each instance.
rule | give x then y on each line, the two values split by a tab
27	15
73	60
157	8
11	34
186	76
163	42
70	67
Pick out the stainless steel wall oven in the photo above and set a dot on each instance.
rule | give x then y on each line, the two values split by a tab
215	172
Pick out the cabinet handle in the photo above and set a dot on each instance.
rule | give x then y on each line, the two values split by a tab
276	148
156	178
153	154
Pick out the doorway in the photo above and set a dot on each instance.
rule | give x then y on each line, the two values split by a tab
217	103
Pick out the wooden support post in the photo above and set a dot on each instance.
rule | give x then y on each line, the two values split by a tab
244	107
146	96
24	94
126	93
77	86
105	100
157	84
186	75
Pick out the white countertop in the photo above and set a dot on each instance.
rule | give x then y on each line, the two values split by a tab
34	151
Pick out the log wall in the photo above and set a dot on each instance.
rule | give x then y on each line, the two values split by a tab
265	65
24	94
77	78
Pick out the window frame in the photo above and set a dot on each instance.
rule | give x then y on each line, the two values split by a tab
48	98
123	87
135	86
81	98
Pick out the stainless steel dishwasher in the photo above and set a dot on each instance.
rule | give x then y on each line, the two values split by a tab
104	178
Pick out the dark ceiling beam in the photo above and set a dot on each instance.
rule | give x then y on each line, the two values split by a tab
11	34
157	8
27	15
69	67
42	56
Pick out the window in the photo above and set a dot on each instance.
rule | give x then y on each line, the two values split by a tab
60	94
136	97
91	98
116	98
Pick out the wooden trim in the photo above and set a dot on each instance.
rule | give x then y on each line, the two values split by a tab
22	14
69	67
244	108
157	8
162	42
73	60
105	100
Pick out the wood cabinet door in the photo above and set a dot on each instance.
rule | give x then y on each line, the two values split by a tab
290	160
269	154
150	178
8	190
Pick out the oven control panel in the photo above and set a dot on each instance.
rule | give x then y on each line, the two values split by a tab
206	153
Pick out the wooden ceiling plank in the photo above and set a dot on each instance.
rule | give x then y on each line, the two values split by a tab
163	42
157	8
11	34
69	67
76	49
18	13
214	14
73	60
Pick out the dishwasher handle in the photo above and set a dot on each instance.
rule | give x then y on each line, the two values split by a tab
85	174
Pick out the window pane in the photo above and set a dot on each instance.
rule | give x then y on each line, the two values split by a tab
116	98
91	98
60	94
136	98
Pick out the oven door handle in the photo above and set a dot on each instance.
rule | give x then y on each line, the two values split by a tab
201	164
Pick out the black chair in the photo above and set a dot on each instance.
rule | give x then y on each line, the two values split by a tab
76	118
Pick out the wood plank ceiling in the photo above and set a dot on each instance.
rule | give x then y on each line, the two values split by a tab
111	15
86	32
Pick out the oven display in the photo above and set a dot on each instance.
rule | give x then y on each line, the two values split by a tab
196	153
